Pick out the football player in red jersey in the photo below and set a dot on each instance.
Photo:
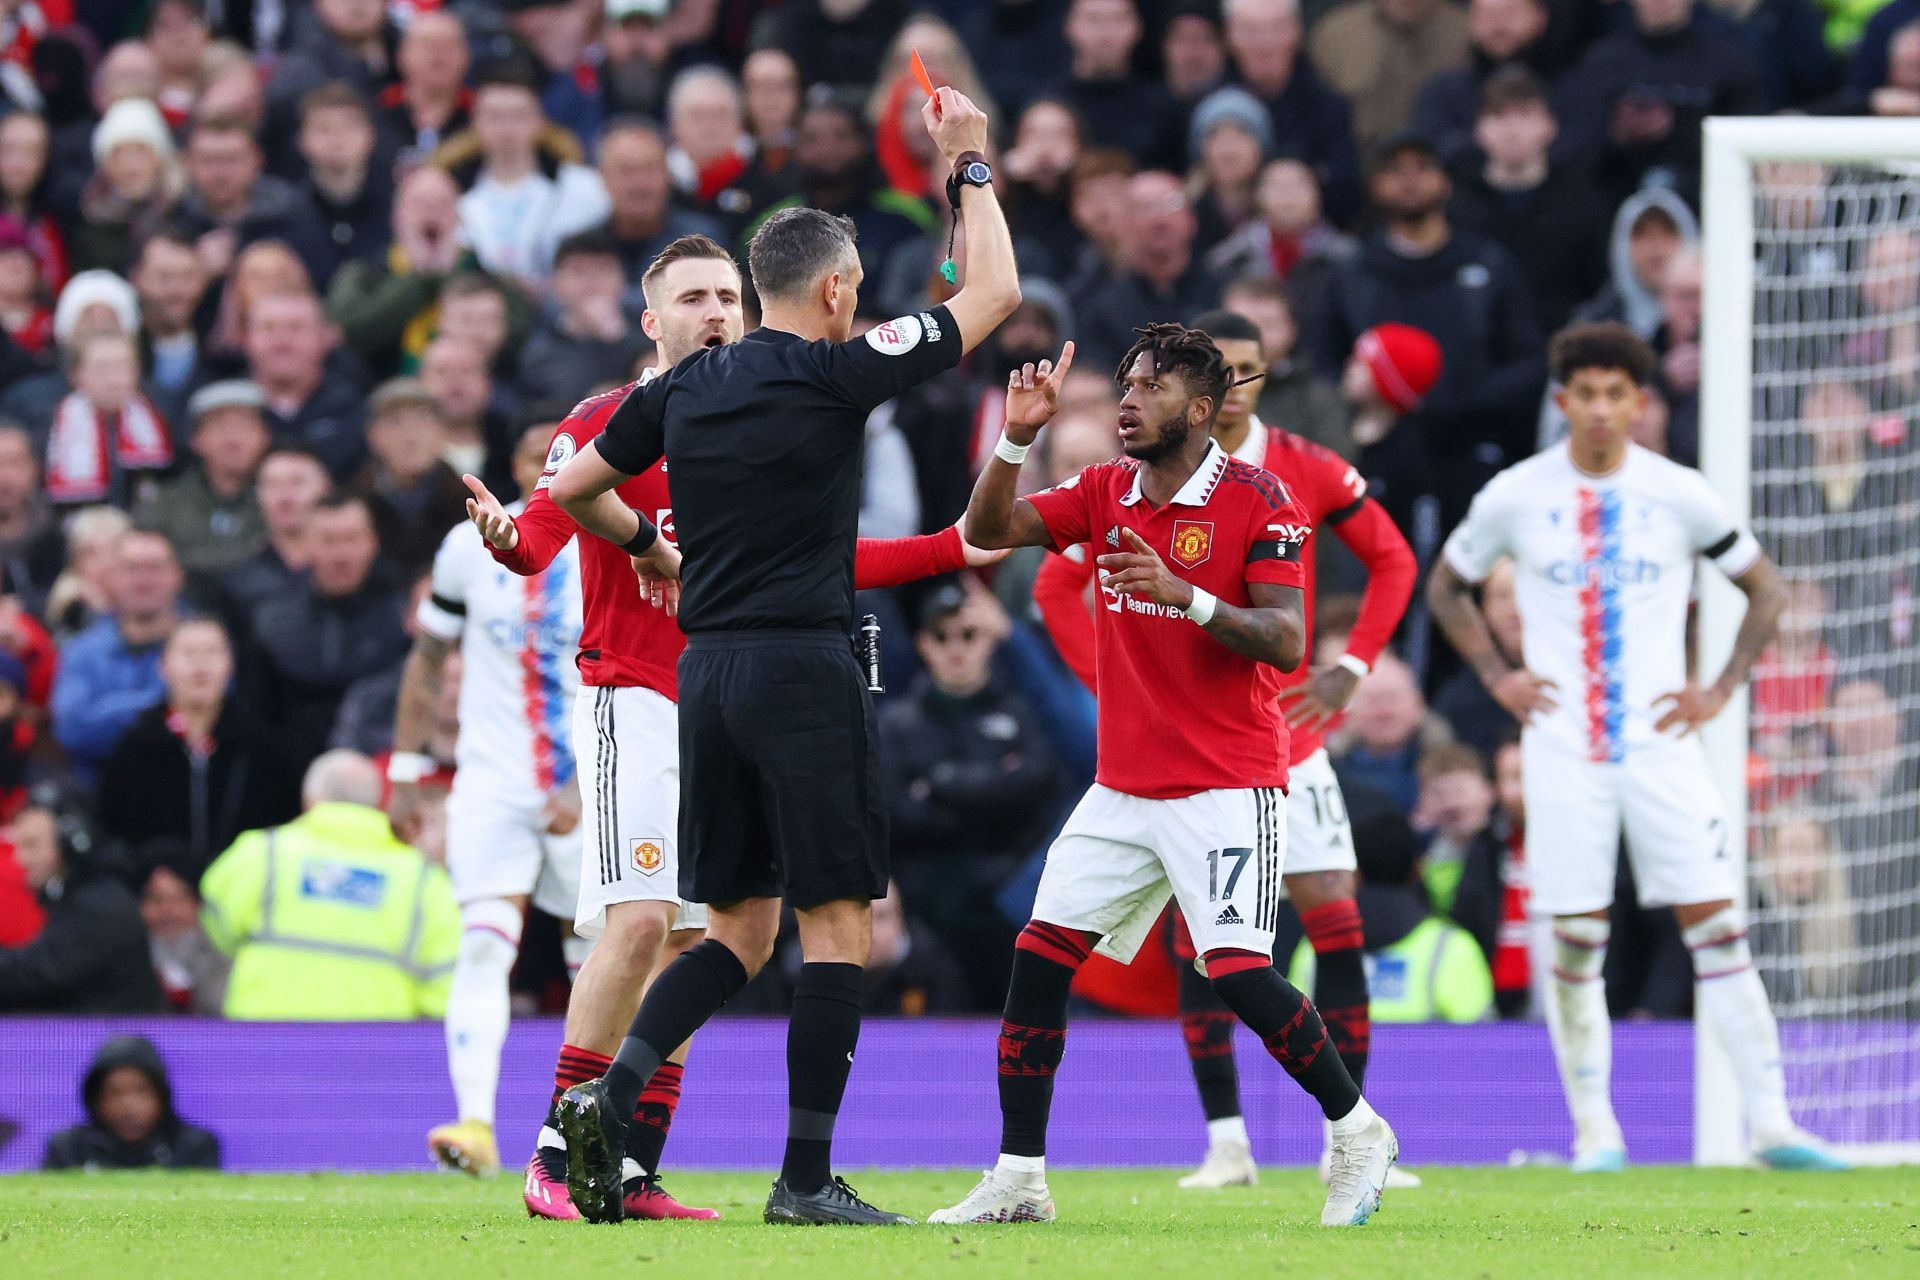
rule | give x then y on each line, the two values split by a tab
625	727
1319	861
1201	596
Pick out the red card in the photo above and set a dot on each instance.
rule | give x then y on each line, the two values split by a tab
919	69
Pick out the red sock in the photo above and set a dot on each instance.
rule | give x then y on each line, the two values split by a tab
1340	980
653	1116
577	1066
661	1097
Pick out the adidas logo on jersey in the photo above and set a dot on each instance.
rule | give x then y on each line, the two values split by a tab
1113	537
1229	916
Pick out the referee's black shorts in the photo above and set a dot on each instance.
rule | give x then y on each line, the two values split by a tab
780	791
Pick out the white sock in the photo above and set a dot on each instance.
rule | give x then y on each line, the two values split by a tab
1354	1121
1027	1172
477	1008
1730	998
1226	1131
1577	1020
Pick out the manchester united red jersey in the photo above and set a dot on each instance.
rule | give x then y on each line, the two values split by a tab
1334	497
1330	491
1179	712
624	641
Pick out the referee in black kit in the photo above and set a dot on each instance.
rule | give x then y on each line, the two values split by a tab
780	786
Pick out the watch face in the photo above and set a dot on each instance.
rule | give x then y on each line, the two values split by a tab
978	173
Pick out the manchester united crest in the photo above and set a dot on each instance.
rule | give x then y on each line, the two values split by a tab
648	856
1192	542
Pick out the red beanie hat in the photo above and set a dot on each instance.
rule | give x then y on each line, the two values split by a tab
1405	363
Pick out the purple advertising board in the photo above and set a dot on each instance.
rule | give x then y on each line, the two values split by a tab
362	1096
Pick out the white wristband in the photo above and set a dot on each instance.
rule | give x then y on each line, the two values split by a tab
408	766
1008	451
1201	610
1356	665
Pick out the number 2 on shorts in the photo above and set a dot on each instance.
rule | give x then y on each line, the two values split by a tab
1239	856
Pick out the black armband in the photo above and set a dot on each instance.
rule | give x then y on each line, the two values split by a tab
642	541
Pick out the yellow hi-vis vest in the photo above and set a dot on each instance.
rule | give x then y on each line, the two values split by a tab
332	918
1434	974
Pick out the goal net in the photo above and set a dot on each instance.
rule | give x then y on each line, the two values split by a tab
1811	426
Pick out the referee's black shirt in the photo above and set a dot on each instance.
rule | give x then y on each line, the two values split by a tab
764	441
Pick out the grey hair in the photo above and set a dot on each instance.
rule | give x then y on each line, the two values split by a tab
795	247
1291	6
704	74
341	777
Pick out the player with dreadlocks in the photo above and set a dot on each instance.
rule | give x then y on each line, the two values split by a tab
1202	591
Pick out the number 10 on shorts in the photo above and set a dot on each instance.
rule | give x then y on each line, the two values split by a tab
1238	857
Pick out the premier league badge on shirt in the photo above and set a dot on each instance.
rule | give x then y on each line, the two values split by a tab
1192	542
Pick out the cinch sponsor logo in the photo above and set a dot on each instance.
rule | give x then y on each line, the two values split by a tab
1291	532
1603	573
519	634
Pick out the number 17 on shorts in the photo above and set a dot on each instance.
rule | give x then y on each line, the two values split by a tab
1217	853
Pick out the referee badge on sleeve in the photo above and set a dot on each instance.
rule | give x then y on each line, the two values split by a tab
896	337
648	856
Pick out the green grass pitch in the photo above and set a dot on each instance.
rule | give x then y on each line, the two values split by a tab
1475	1223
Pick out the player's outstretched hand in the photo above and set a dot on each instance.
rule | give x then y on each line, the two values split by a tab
1692	707
1315	701
954	123
980	557
659	572
1523	693
1141	572
1033	395
489	517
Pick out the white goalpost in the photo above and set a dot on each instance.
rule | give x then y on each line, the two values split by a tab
1810	431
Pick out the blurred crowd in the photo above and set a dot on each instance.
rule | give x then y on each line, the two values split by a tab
275	273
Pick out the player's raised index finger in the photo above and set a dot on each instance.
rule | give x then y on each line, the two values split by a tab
1138	543
477	489
1065	362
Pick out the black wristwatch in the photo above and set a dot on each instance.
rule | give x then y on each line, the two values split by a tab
969	170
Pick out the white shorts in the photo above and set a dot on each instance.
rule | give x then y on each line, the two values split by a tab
1318	836
1218	853
628	744
1660	798
497	846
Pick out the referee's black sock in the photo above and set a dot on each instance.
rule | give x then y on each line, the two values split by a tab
822	1031
1287	1024
687	993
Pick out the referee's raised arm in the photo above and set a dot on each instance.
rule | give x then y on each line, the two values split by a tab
991	290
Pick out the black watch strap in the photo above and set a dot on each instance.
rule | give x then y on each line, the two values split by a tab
970	169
